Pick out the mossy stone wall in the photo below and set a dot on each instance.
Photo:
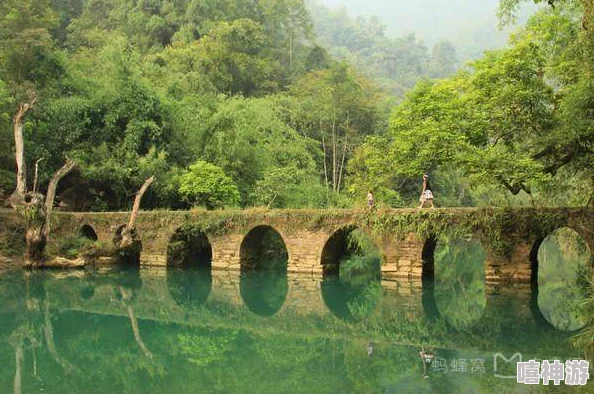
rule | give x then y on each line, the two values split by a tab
508	235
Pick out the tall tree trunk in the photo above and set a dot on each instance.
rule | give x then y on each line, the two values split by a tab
341	169
291	52
325	165
17	125
333	155
344	149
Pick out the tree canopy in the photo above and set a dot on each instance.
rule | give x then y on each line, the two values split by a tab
296	107
521	119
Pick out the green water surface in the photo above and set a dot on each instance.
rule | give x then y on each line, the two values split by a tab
196	330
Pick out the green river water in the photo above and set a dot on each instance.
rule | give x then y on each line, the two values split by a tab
267	331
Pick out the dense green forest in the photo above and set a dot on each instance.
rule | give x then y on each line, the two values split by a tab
265	103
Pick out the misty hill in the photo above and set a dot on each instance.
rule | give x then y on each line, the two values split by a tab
470	25
396	63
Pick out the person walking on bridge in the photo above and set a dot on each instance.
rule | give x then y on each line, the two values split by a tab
426	194
369	200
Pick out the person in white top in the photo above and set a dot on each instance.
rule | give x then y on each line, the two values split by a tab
426	194
369	199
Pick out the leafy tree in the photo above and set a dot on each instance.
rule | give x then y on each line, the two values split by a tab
251	142
208	185
234	57
27	53
337	108
112	122
512	121
289	25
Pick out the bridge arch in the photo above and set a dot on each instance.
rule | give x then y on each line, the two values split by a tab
351	292
189	267
87	231
336	247
428	278
561	264
453	280
264	259
189	247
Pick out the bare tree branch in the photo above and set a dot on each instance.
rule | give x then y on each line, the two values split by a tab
136	206
36	173
344	151
516	187
51	192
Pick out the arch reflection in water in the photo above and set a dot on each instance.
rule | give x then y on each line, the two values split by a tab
189	258
564	266
263	283
459	282
351	263
189	287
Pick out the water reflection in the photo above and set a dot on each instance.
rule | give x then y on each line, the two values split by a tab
120	332
264	292
351	301
351	288
459	289
563	272
189	287
263	283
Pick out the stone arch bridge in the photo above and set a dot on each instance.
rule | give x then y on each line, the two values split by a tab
510	236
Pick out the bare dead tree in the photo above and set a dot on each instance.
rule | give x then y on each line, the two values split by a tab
136	206
344	151
128	235
36	210
17	126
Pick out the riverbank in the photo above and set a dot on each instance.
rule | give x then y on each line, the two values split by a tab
12	237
